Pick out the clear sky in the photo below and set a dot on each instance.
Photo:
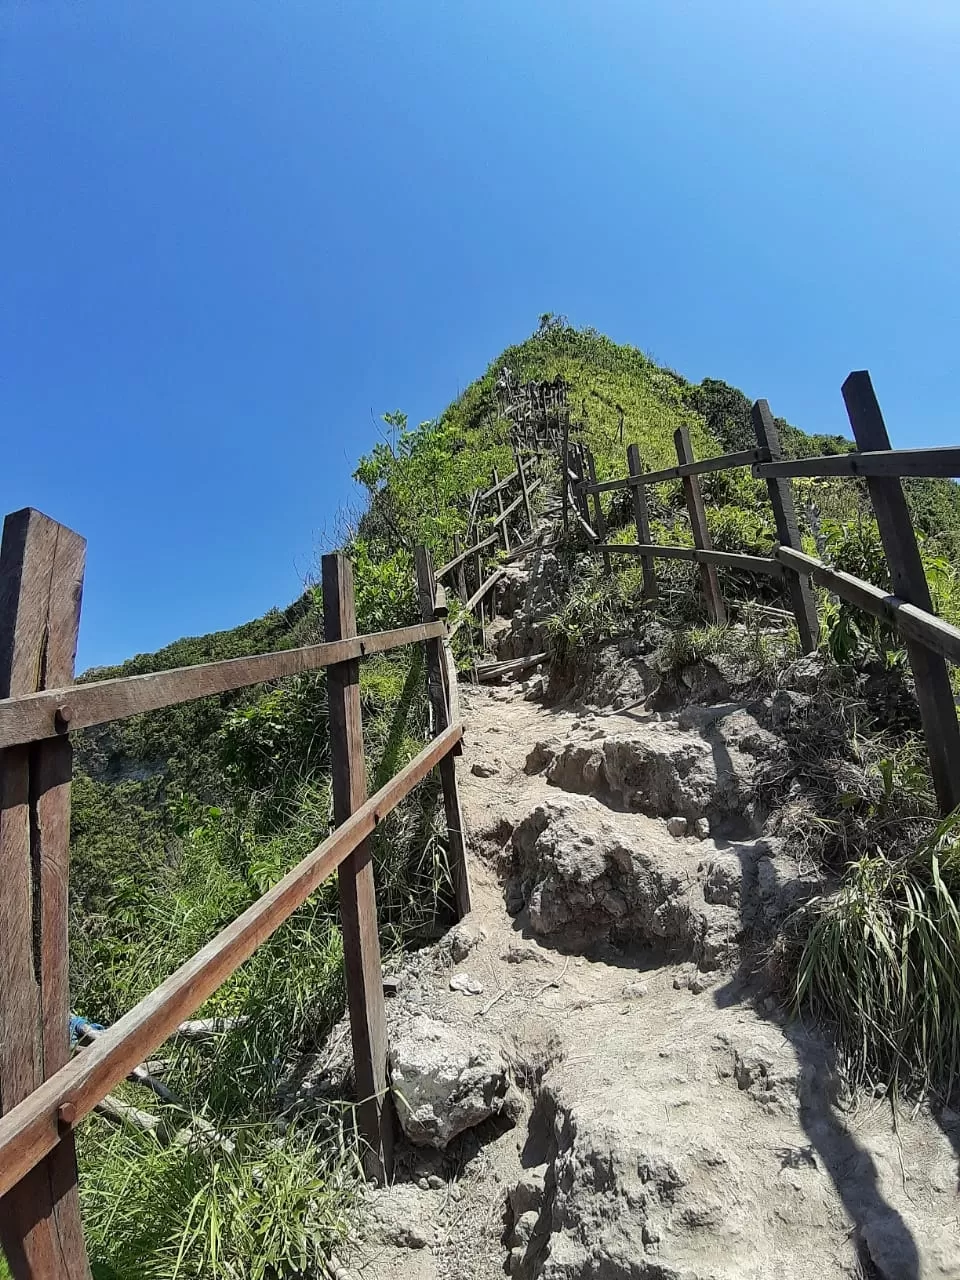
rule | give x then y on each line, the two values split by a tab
233	231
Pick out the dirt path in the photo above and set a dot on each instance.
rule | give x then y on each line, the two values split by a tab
672	1124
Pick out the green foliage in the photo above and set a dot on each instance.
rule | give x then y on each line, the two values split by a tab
881	962
274	1206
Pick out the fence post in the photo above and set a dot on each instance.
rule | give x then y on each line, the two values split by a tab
599	520
426	588
41	580
524	488
698	523
358	903
934	694
641	519
802	599
504	531
565	475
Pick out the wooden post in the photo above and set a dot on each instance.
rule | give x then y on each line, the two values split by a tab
461	570
501	507
599	520
41	580
698	523
426	588
524	488
565	473
641	519
463	593
802	599
934	694
580	469
358	903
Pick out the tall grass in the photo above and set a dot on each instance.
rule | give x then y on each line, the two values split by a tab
881	963
274	1206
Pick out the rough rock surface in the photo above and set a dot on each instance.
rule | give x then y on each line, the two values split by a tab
443	1083
649	1113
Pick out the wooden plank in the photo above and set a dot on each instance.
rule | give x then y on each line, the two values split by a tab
33	1128
498	485
937	708
641	519
659	551
49	714
465	555
358	903
525	490
524	549
802	599
476	599
501	523
698	523
565	472
41	577
915	624
939	463
456	831
722	559
588	529
494	669
599	519
461	575
723	462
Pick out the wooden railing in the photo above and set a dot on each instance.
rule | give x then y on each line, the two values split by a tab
929	640
468	574
43	1093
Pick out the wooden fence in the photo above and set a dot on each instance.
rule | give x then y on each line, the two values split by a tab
43	1092
470	575
929	640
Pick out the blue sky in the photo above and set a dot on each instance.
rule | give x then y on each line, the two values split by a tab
234	231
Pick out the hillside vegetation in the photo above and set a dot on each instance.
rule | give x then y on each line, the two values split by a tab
183	817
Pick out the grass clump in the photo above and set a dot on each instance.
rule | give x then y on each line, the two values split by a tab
881	964
272	1206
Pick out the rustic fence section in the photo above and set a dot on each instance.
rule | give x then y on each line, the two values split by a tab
41	577
511	527
44	1092
929	641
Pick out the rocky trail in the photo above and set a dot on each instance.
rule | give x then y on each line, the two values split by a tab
595	1077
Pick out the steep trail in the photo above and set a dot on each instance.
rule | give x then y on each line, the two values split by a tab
655	1116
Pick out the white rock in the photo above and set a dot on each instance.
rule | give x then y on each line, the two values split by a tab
677	826
465	984
444	1081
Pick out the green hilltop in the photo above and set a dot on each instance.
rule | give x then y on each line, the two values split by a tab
181	818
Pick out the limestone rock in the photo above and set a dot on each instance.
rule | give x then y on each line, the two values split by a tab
445	1081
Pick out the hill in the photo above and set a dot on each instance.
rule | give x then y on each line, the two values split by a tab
182	817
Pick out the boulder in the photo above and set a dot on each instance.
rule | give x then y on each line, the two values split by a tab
445	1081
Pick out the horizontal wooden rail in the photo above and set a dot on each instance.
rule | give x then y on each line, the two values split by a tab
916	624
32	1128
483	590
46	715
465	555
508	511
498	487
492	670
940	463
587	528
534	544
723	559
725	462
